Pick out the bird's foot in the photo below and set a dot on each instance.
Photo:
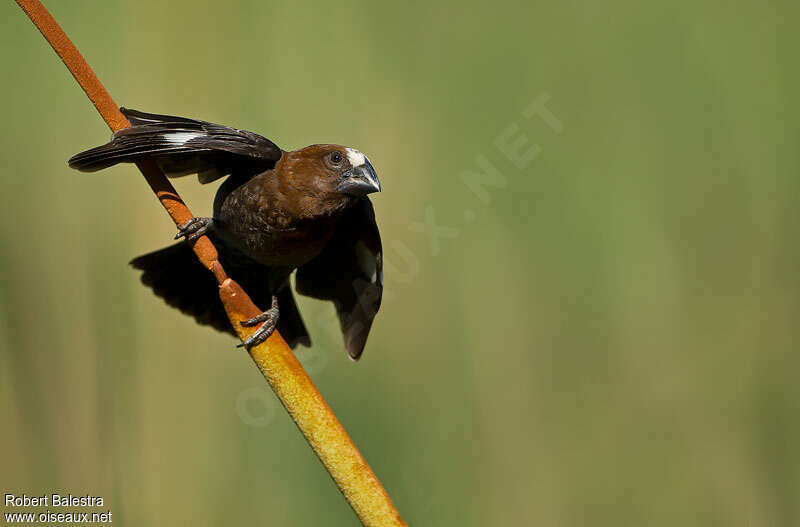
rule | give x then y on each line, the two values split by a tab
268	320
194	228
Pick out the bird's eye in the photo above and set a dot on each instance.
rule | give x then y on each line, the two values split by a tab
335	157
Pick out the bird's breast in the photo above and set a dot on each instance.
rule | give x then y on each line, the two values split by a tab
276	243
289	246
257	219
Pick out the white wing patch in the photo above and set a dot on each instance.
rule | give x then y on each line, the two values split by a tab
368	262
355	157
180	138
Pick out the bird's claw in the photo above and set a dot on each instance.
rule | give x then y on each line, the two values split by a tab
194	228
268	320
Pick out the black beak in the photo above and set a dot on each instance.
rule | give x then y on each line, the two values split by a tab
362	180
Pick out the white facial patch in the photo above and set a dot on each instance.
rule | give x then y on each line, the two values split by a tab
355	157
180	138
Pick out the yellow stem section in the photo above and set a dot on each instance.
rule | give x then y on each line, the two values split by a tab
315	419
274	358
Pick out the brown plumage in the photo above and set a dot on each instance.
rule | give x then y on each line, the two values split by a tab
277	212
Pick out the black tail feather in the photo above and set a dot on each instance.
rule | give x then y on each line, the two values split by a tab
175	274
290	323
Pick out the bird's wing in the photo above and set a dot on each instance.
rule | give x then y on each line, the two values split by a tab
182	146
349	272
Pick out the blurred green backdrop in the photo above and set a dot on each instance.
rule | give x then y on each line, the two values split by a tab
603	334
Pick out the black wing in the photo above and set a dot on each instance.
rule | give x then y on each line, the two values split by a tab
182	146
349	271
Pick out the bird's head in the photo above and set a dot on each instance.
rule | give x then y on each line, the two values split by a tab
335	174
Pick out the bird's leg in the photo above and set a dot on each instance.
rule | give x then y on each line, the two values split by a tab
268	320
194	228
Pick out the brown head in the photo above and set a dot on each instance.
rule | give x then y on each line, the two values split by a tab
325	179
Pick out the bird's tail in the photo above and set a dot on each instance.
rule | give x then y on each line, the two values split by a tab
175	274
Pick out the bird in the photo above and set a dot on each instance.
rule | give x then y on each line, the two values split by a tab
277	212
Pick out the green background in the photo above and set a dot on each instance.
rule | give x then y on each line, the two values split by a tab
605	335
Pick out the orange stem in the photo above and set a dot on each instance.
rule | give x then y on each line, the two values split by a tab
274	358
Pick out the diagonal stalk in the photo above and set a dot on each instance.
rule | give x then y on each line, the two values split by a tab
274	358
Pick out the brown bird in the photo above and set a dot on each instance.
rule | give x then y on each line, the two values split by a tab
277	212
